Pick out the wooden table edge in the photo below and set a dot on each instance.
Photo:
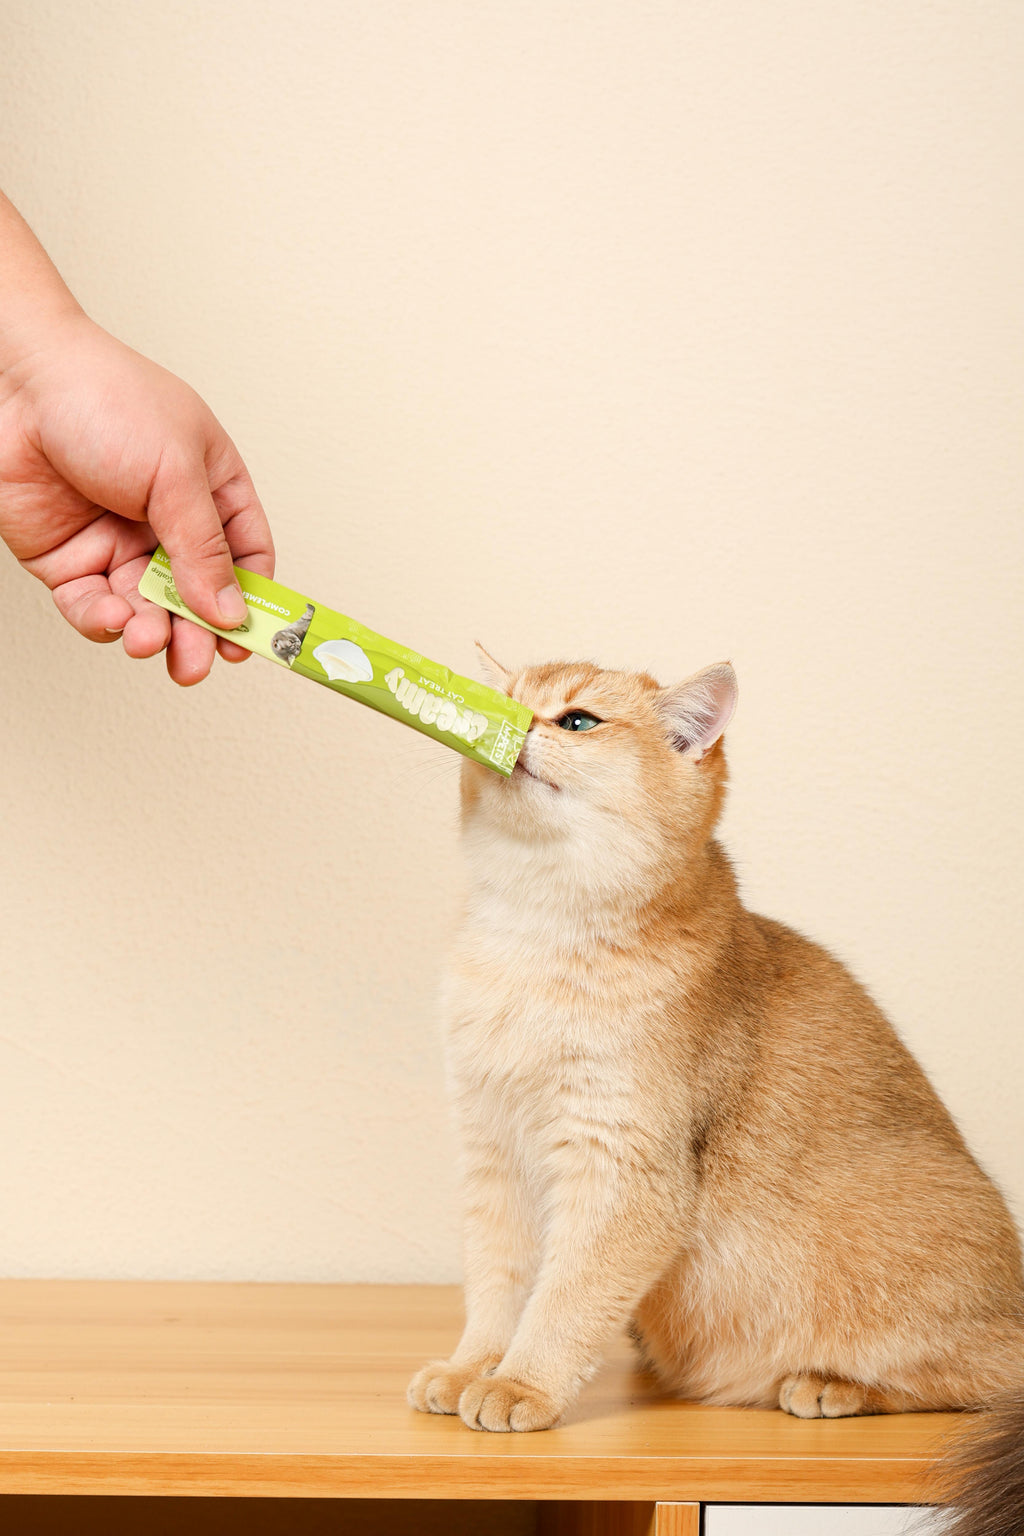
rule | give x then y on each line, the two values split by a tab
741	1479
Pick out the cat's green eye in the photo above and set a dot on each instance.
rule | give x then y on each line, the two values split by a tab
577	720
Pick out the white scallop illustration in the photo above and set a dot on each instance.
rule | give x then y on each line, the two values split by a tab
344	662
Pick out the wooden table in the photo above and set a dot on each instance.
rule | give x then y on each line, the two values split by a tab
297	1392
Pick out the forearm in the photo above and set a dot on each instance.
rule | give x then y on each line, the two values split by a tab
33	296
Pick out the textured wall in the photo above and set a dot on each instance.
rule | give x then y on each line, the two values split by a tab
658	332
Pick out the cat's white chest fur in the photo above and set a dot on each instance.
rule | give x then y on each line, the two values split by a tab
542	1038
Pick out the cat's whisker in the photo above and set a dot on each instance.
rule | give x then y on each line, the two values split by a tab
426	766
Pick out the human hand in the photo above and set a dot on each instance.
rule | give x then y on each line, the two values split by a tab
103	455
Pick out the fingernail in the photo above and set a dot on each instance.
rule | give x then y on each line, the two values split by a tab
232	607
118	631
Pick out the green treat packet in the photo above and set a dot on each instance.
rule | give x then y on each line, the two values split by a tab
347	657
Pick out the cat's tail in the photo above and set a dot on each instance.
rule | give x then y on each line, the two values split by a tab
982	1477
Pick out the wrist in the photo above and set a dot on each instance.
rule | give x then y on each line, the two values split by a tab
44	324
35	302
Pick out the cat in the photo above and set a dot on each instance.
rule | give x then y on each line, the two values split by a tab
685	1118
287	643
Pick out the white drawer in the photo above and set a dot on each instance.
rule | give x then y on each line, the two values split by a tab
819	1520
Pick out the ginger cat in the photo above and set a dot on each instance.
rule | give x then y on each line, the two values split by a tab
684	1117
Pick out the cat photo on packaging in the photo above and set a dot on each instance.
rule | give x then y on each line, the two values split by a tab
682	1118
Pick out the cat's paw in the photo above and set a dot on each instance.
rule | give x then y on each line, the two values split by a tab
502	1403
439	1385
818	1397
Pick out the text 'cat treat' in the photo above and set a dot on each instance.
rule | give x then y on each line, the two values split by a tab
334	650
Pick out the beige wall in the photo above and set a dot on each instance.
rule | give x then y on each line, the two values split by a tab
654	332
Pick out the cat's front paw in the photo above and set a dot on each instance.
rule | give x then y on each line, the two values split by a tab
502	1403
439	1385
819	1397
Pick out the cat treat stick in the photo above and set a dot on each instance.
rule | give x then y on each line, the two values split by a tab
334	650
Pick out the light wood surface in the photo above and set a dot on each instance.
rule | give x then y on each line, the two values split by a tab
299	1391
677	1520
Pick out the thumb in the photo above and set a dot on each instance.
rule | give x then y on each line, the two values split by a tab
182	514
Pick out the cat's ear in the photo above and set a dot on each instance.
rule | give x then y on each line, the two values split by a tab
697	712
498	676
